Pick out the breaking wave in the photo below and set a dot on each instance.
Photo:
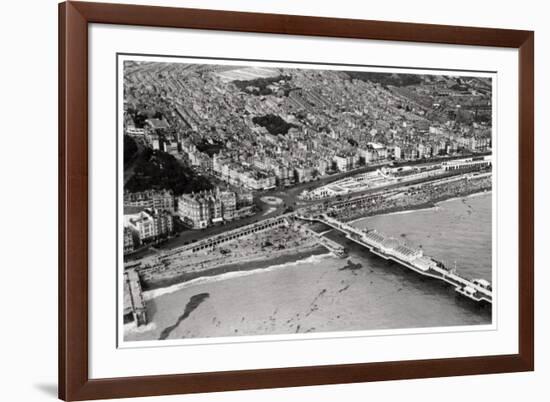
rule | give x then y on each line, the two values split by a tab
133	328
152	294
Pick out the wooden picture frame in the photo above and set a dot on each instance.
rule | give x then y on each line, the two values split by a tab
74	381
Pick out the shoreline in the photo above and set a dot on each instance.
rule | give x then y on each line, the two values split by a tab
255	264
263	263
233	274
425	206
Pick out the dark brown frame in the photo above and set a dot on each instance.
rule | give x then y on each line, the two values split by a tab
74	17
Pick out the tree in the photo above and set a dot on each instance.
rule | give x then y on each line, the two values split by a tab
130	148
160	170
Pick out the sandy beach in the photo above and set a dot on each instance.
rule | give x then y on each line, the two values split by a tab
320	295
258	263
284	243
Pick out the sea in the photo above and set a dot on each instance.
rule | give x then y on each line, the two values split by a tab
325	294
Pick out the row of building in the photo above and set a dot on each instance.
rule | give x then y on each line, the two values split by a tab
149	215
156	199
334	122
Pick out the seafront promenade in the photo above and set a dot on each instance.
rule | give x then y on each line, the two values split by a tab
270	239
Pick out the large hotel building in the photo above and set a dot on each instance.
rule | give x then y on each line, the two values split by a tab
148	225
163	199
200	210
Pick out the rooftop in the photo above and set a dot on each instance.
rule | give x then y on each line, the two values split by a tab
157	124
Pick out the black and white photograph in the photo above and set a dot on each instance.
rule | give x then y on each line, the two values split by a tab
264	198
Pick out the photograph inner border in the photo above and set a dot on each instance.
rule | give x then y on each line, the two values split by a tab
120	343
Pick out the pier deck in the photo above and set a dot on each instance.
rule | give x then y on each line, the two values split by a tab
332	246
133	297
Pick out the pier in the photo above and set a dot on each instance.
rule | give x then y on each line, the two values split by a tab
411	258
332	246
134	304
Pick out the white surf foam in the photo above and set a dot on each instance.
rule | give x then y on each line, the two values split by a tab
133	328
152	294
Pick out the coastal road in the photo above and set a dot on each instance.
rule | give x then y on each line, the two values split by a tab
289	197
265	211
